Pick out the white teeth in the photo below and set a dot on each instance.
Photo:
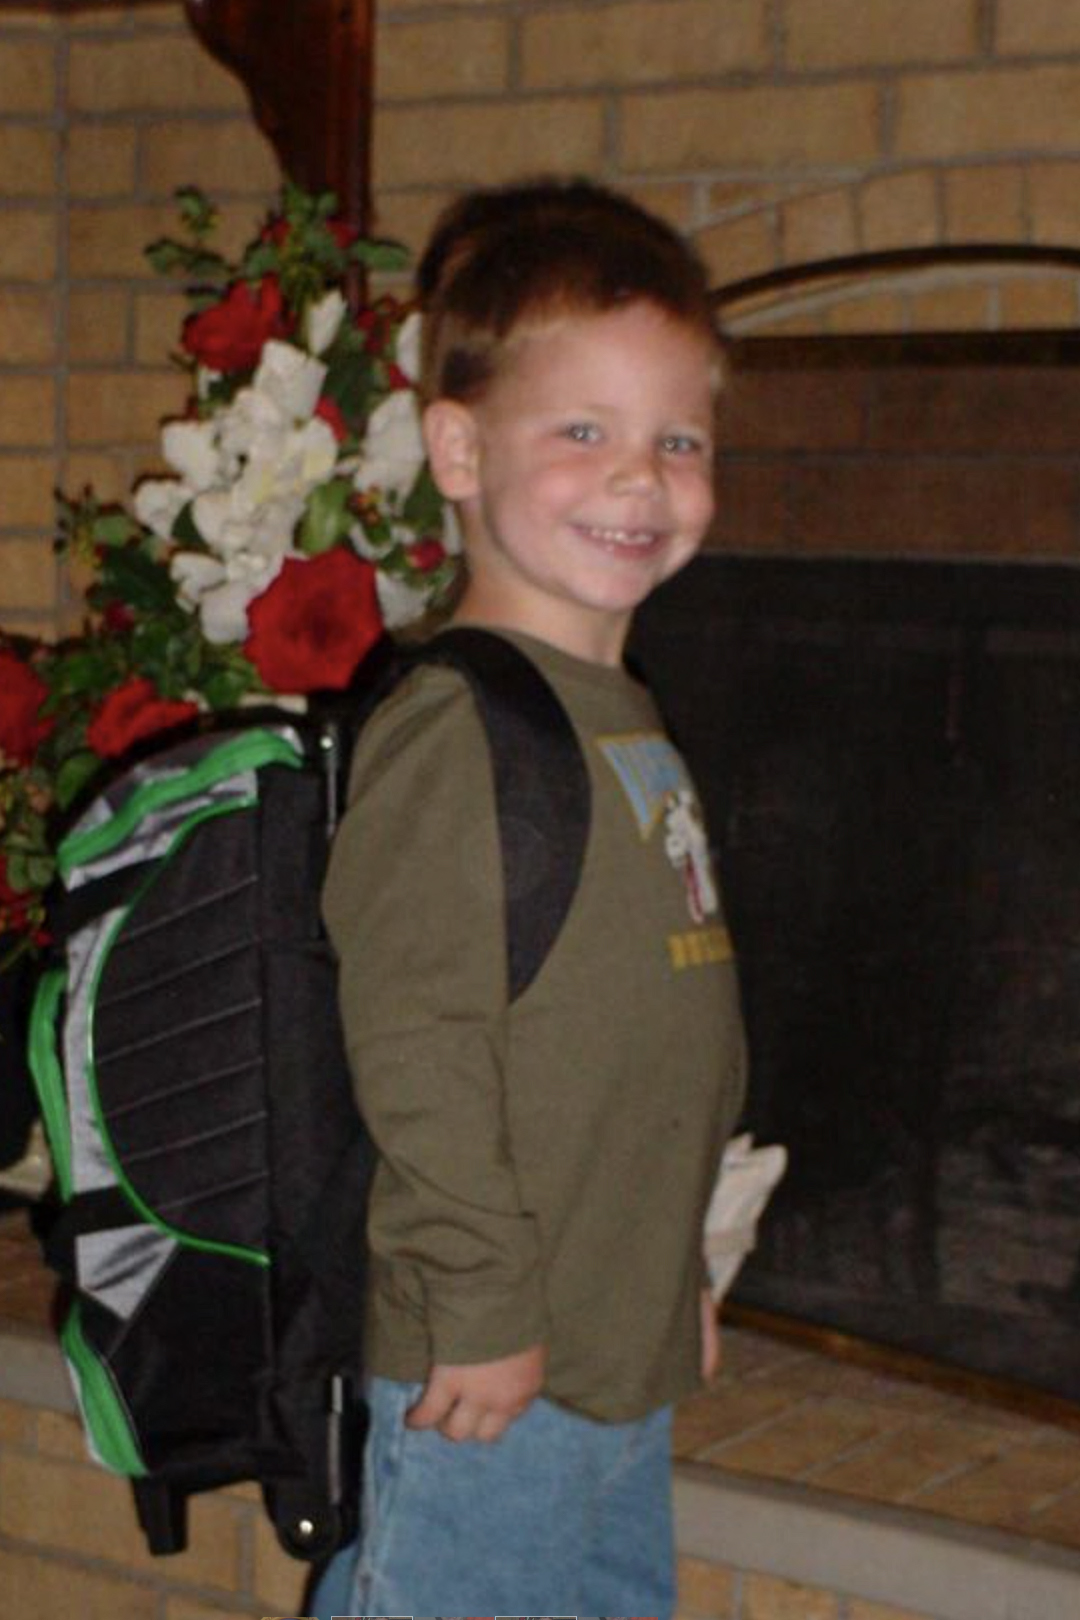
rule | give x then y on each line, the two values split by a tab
621	537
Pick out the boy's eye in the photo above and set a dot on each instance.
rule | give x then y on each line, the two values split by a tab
582	432
683	444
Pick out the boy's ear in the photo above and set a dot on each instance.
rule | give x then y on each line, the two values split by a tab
452	440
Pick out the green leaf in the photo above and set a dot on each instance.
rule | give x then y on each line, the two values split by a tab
114	527
74	774
197	212
327	518
224	687
184	529
39	870
90	669
380	255
139	580
350	383
17	869
260	259
167	257
423	506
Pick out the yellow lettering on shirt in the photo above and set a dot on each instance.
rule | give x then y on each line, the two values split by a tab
698	947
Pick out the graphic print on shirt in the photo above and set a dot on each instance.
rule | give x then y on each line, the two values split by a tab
655	781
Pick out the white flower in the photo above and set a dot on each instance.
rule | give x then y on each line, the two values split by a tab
194	574
451	531
233	525
323	320
400	602
203	587
210	513
251	420
221	592
270	530
158	503
407	352
191	449
361	544
223	611
393	449
289	377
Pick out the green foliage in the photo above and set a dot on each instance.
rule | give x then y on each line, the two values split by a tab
328	517
144	611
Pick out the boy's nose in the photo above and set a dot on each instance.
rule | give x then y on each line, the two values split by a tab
635	469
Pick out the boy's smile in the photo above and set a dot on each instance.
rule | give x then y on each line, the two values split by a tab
584	473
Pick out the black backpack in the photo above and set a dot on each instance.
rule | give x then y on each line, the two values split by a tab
211	1163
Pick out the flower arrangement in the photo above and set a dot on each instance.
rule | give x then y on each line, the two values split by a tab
296	521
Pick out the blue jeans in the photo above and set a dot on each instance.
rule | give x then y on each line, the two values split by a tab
560	1515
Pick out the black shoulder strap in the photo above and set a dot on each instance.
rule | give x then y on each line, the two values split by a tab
542	793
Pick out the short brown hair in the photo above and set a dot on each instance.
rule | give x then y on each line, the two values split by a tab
501	257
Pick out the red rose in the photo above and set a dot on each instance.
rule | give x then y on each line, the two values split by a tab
132	711
22	692
427	555
329	411
313	625
230	335
118	618
341	231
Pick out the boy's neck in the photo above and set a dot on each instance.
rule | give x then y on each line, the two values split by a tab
600	639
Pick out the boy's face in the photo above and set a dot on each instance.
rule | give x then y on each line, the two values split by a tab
584	474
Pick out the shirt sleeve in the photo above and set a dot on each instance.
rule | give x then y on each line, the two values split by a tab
414	906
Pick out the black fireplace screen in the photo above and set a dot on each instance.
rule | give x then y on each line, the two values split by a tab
890	759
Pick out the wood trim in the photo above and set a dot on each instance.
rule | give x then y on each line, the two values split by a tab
880	1358
894	261
308	72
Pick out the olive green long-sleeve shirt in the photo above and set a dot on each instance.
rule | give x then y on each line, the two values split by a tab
544	1167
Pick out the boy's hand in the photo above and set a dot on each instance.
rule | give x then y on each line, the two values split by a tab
710	1338
479	1401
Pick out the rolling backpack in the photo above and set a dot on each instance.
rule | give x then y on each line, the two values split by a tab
210	1162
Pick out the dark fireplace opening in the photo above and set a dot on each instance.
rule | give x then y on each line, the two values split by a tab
889	755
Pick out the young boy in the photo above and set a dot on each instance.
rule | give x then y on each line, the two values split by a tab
537	1283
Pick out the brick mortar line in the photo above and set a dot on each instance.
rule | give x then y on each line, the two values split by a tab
766	77
825	175
244	1516
775	18
132	26
62	591
1067	1493
168	1587
153	117
714	1449
513	15
986	27
958	1471
731	82
909	1497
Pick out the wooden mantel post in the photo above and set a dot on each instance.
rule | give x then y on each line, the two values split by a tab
307	65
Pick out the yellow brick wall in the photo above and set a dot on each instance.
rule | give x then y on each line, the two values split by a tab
65	1526
104	113
773	131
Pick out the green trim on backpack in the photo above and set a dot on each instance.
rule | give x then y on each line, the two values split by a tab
249	751
48	1073
256	1257
103	1411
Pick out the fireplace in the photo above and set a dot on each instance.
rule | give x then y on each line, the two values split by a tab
889	751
